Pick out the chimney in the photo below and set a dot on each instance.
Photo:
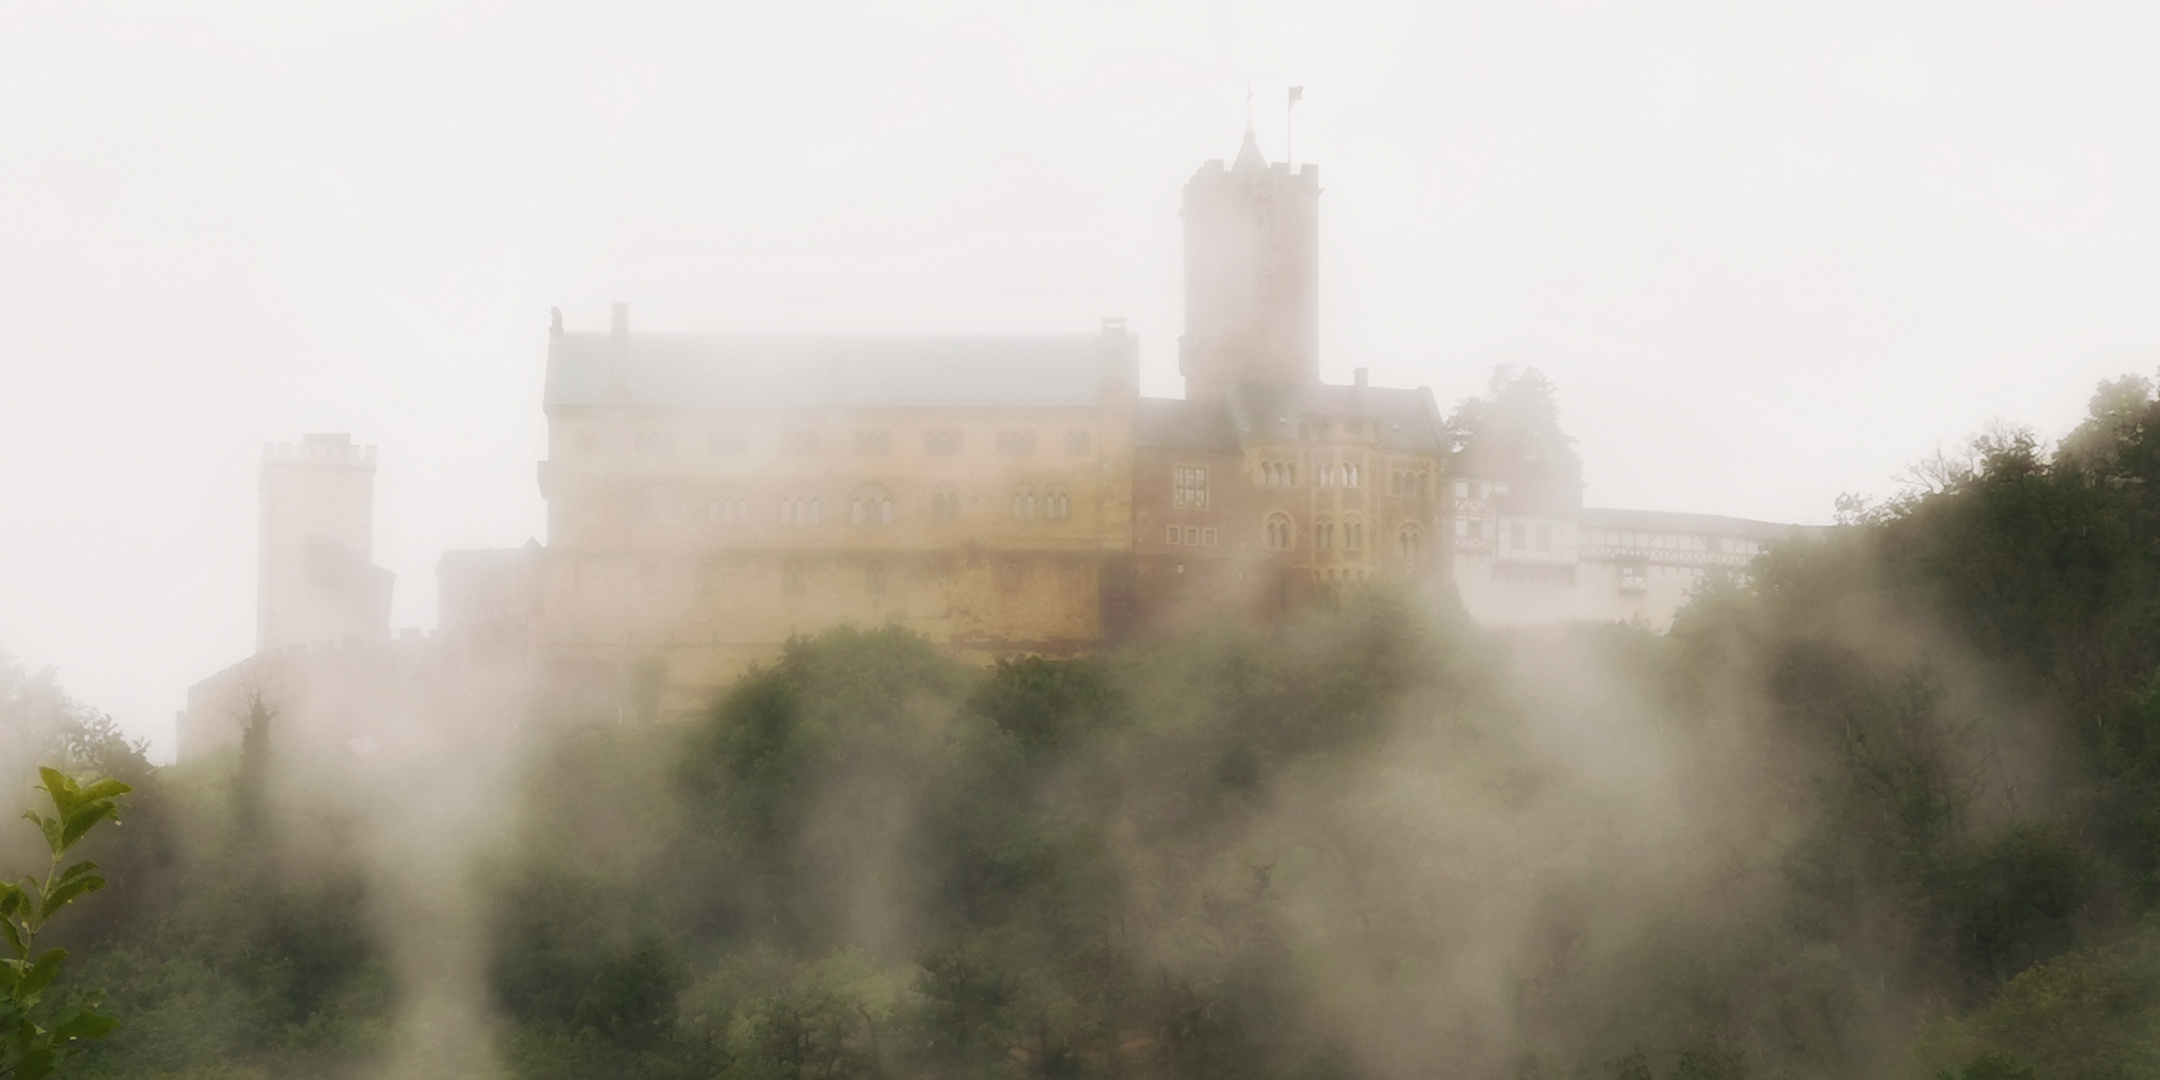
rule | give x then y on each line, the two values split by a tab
619	329
1358	375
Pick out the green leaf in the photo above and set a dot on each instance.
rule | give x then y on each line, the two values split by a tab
82	1024
61	894
76	871
80	820
41	971
106	789
57	784
50	826
14	933
35	1064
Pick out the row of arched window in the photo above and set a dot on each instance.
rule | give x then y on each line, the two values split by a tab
1352	532
1347	474
870	504
1281	535
1055	504
1406	483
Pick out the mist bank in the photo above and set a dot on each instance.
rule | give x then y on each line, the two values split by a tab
1888	805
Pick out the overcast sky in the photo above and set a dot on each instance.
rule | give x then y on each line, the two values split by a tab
1769	251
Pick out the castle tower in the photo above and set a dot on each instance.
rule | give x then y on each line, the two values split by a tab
1252	275
315	578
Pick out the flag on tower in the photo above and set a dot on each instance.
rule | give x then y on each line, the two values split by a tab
1296	92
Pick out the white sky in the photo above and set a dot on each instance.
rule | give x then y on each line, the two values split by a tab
1769	251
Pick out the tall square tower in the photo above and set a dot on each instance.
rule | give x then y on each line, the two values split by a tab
1252	275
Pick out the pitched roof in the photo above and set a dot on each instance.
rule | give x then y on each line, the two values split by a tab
1276	412
1206	426
1272	412
1675	522
831	370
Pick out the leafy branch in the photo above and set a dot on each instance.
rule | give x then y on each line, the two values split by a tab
30	1049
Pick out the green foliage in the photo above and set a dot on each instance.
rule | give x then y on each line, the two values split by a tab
35	1037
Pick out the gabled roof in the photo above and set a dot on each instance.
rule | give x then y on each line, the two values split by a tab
785	371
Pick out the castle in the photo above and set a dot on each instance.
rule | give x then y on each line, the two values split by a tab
710	496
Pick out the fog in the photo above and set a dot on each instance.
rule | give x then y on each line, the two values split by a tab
1769	255
1883	791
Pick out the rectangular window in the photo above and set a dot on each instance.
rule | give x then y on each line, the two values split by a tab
1189	488
726	442
800	442
1079	444
1207	538
1192	535
1173	535
1544	538
941	442
1016	443
873	442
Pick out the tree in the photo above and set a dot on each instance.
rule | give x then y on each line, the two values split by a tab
28	1048
1513	434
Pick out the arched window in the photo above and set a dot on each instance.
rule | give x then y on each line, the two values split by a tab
1323	535
1407	542
1353	534
871	504
728	508
1280	532
1057	503
800	508
1023	502
945	505
1352	473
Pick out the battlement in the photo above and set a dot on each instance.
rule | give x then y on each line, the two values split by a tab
1215	171
331	448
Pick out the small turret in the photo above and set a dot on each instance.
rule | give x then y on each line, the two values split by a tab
315	578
